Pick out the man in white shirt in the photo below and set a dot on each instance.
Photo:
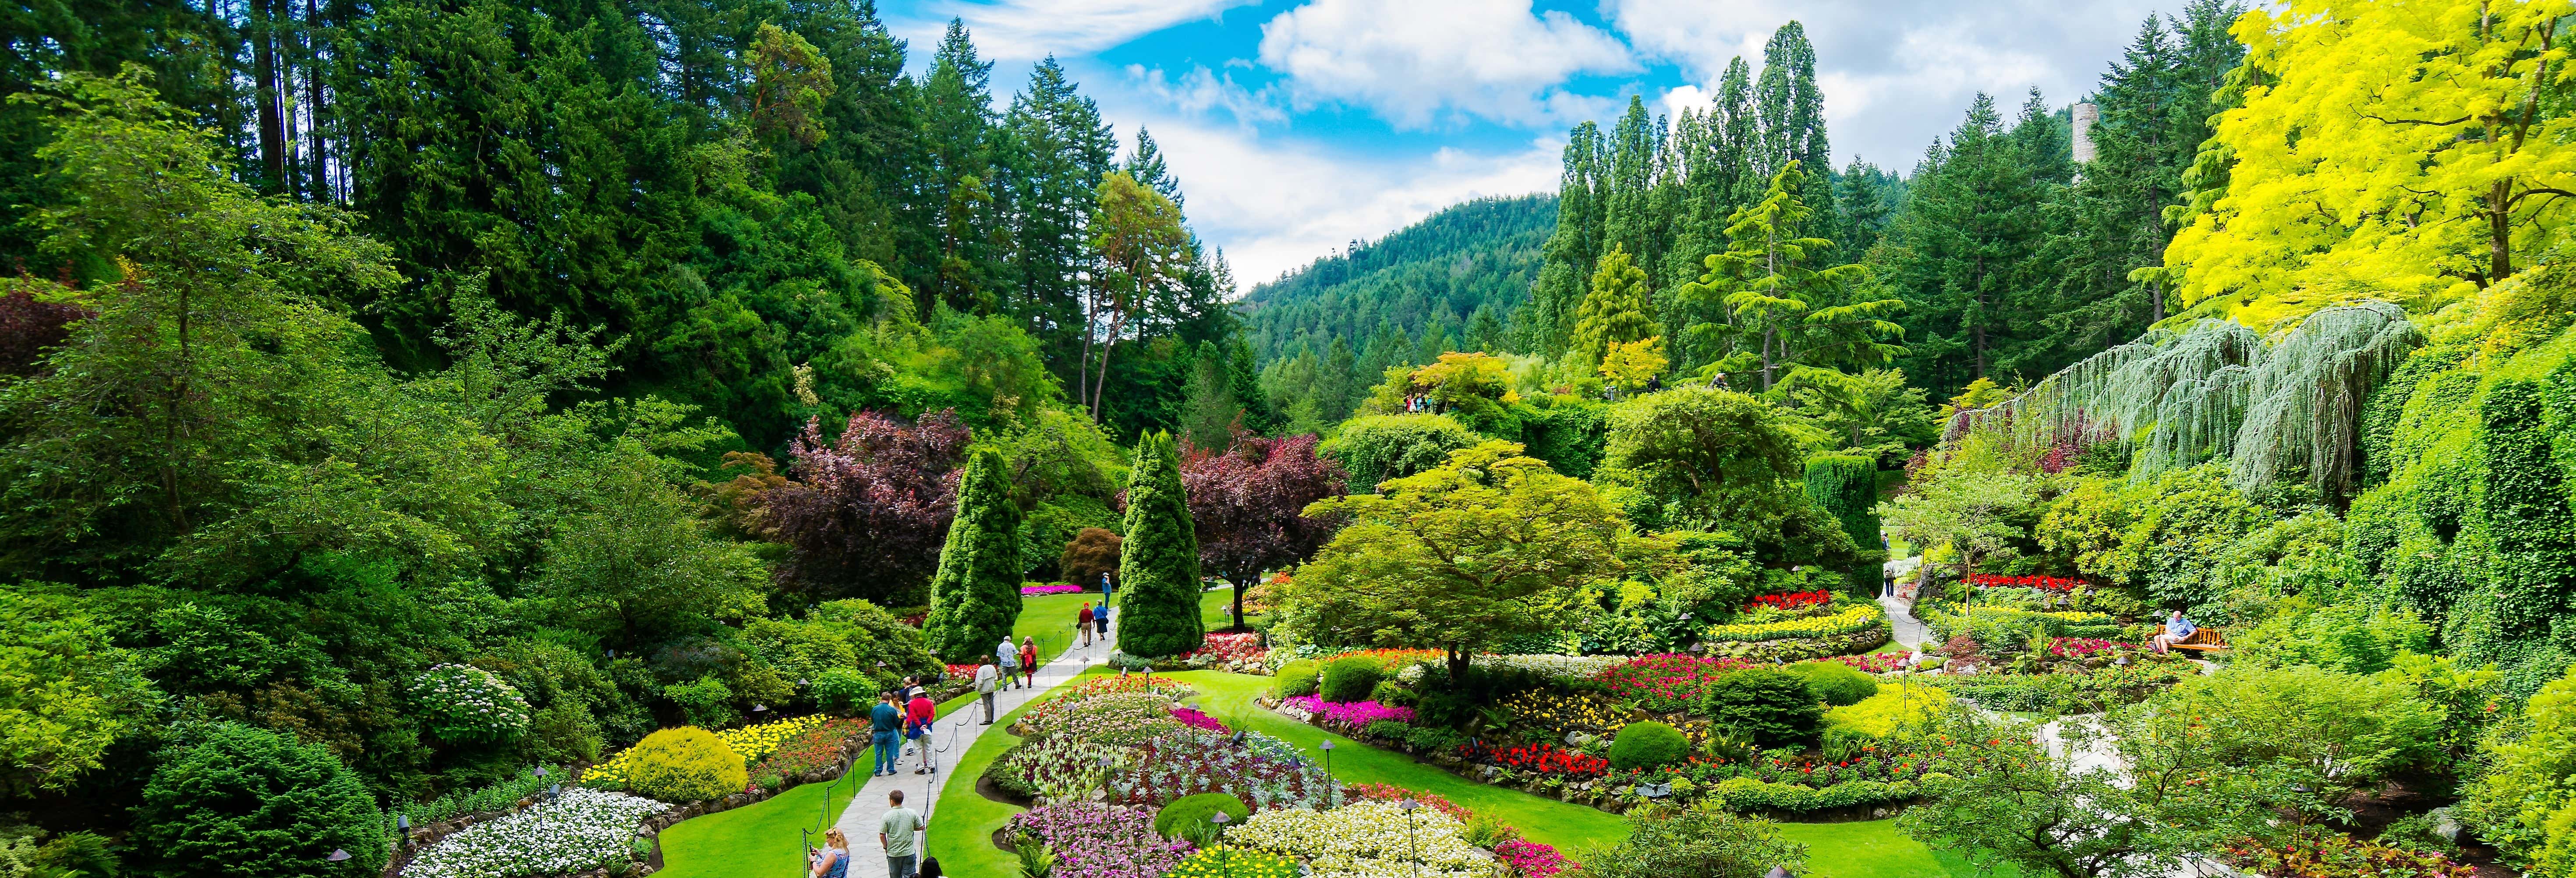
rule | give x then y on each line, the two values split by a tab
985	677
1008	655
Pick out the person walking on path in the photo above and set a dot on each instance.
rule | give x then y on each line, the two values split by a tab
895	832
887	723
917	717
833	861
985	677
1008	656
1082	623
1029	661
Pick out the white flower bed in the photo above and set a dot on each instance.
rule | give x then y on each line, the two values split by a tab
1562	667
1366	840
580	829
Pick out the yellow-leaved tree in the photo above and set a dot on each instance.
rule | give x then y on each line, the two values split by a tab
2415	151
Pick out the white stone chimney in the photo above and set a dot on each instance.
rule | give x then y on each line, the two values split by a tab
2085	116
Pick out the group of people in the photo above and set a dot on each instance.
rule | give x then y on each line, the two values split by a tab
895	833
902	715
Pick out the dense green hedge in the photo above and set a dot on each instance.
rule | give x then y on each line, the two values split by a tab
1748	795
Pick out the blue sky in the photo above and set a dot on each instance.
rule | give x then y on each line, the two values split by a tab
1298	125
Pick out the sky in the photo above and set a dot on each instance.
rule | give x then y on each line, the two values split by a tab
1297	126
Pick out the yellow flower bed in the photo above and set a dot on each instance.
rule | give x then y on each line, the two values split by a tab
750	742
1860	617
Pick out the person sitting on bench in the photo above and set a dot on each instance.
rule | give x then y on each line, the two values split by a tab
2177	630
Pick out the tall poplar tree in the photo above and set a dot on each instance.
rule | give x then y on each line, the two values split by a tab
1792	111
1158	565
975	597
1582	192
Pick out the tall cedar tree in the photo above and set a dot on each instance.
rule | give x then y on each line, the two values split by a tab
864	511
1793	316
1158	566
1960	253
1248	505
976	595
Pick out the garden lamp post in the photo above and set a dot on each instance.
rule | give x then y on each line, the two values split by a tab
1411	840
1779	872
1328	757
337	855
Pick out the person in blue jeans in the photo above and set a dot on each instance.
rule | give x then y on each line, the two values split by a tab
887	721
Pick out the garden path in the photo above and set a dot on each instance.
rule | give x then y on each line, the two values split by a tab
1910	631
955	733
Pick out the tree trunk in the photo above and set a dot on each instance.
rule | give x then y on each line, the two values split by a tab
2499	233
1459	658
1239	625
272	126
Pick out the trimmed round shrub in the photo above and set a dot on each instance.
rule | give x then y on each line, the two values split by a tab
685	764
1646	745
1188	812
842	690
464	704
1350	679
1388	692
1775	707
1298	678
245	801
1835	683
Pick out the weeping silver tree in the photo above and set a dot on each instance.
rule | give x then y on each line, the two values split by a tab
2216	389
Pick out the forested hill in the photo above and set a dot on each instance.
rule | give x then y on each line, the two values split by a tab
1430	280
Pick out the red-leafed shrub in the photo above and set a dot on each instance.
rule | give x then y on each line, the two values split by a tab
867	513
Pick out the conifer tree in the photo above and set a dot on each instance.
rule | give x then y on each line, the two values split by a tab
1616	311
1792	112
1788	315
975	597
1158	566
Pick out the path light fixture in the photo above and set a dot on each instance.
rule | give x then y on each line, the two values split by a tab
402	822
1328	758
540	772
1412	839
760	708
1779	872
337	855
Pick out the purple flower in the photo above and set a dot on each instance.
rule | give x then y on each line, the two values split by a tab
1102	841
1192	717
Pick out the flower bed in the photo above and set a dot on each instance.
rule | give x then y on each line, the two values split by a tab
1387	792
754	742
812	750
1390	660
1118	717
1263	771
577	830
1795	600
2334	855
1227	651
1666	683
2082	647
1057	767
1031	591
1872	663
1540	759
1350	715
1196	719
1101	841
2043	583
1859	618
1366	840
1228	861
1562	715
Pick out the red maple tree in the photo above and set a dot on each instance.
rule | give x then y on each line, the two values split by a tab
1248	503
865	513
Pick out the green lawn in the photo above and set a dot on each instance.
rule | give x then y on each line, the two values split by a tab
758	841
1875	850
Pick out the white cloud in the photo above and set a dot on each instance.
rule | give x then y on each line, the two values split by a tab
1895	73
1025	30
1419	62
1201	90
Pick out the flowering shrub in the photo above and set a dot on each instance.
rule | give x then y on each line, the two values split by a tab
1101	841
2335	855
960	672
1057	767
1387	792
1666	683
1353	715
1541	759
1859	618
1223	648
754	742
463	704
1366	840
578	830
815	748
1393	660
1795	600
1194	718
1225	861
1560	715
1031	591
1263	771
2043	583
1114	717
1127	683
1531	859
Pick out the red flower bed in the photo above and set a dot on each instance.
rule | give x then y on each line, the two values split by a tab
1669	682
1549	759
2043	583
1227	647
1875	662
817	747
2079	647
1794	600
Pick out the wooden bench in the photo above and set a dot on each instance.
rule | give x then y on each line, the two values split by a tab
2201	640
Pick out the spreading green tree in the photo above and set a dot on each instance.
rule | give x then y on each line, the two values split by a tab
975	597
1460	557
66	693
239	801
1158	565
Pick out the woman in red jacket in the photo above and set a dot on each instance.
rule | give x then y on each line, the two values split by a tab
1029	659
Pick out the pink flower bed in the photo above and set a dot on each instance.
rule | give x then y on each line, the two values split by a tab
1531	858
1350	714
1102	841
2079	647
1192	717
1873	663
1030	591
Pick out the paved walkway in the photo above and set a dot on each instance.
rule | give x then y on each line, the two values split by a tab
955	733
1910	631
